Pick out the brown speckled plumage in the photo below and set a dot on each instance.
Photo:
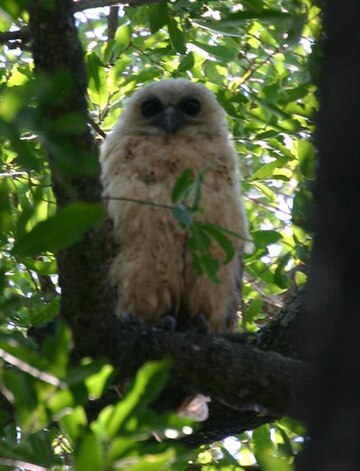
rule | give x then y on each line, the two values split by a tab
152	271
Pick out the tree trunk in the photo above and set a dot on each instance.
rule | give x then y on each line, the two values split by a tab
86	301
333	299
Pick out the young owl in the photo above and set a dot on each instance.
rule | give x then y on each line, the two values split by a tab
167	127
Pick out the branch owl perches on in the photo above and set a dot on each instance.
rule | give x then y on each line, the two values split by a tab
167	127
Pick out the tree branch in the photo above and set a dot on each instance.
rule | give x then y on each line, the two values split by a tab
248	387
236	373
82	5
23	34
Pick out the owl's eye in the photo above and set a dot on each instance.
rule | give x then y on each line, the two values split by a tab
151	108
191	106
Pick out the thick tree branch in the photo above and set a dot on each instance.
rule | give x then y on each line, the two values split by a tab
236	373
248	387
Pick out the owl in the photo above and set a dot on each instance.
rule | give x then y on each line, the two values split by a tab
169	126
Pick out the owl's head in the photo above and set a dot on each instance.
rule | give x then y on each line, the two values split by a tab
173	107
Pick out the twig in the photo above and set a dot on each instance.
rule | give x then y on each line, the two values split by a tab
96	127
21	464
22	35
113	22
138	201
81	5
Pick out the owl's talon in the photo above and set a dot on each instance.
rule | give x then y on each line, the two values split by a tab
168	323
201	324
130	319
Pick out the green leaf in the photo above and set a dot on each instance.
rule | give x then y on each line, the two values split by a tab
47	313
74	422
41	266
217	233
265	171
155	462
262	444
238	18
186	63
88	453
115	47
197	188
22	388
56	349
96	77
158	16
286	447
296	29
148	383
265	190
5	208
67	227
302	209
253	310
307	159
266	237
203	261
211	267
280	277
14	8
177	37
20	355
183	185
220	52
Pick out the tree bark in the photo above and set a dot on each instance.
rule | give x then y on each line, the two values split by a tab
332	322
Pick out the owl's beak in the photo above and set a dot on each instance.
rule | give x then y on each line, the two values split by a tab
171	120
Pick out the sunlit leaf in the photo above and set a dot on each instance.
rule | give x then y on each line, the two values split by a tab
149	381
74	422
266	237
89	454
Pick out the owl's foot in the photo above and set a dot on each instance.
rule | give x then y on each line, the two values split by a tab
131	320
197	323
200	324
167	322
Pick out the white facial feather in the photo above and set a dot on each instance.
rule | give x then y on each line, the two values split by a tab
210	120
